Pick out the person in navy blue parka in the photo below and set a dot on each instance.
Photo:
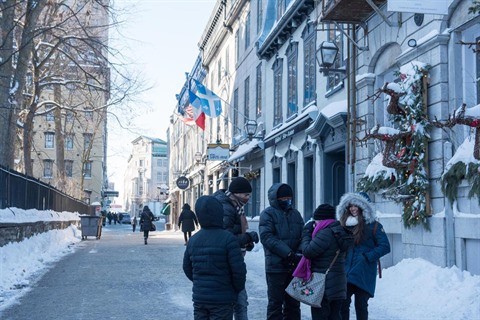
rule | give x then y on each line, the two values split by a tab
356	212
213	261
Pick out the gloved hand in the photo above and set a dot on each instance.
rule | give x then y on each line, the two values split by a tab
293	259
253	236
249	246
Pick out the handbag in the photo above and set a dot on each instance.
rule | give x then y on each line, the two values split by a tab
310	291
153	227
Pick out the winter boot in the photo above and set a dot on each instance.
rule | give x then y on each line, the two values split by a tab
145	240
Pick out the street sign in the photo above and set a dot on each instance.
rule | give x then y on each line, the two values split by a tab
109	193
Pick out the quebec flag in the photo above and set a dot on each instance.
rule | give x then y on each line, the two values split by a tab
211	103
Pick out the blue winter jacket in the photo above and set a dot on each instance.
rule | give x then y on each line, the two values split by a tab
280	233
361	261
213	259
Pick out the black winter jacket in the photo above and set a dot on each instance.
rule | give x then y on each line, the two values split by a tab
146	219
321	251
187	220
280	233
213	259
231	218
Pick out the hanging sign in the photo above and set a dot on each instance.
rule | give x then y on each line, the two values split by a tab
183	182
218	152
419	6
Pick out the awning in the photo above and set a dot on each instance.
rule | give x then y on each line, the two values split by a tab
166	210
244	149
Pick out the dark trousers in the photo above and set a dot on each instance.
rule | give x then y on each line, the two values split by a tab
187	235
361	303
145	233
212	311
330	310
280	305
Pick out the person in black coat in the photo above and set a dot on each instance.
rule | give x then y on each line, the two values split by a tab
214	263
321	249
233	202
146	221
280	231
188	221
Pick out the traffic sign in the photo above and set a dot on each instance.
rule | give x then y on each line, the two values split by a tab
109	193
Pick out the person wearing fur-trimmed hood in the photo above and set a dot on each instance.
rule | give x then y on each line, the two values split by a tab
356	212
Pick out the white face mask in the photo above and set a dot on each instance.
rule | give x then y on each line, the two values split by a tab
351	221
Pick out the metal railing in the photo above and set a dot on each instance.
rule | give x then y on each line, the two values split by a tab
24	192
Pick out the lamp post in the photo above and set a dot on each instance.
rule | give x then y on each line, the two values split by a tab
326	56
250	128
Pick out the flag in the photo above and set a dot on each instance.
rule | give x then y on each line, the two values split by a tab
196	107
210	102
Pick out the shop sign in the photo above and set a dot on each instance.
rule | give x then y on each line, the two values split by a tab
183	182
419	6
218	152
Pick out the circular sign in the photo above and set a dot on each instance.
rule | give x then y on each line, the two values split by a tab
183	182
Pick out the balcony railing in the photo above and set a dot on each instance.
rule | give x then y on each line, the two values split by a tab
348	11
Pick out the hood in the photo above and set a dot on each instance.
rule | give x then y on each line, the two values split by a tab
360	201
272	194
186	206
209	212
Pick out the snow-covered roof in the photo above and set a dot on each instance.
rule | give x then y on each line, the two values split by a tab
243	149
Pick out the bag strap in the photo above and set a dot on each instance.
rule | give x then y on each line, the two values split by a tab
376	244
333	261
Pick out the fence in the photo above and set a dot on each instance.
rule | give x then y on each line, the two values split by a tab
24	192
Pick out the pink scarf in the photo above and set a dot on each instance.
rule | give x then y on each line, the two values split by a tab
303	270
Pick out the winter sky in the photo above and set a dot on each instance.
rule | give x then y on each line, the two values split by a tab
414	289
160	38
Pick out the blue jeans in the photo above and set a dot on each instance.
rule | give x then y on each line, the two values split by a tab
240	308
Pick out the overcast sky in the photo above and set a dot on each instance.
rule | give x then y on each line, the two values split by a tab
161	37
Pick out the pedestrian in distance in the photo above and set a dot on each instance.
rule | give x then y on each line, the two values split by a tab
134	223
280	230
355	211
325	243
187	221
216	284
233	202
146	221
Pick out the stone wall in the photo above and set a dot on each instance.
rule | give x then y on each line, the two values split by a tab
16	232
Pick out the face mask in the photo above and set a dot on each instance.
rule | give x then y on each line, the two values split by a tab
285	204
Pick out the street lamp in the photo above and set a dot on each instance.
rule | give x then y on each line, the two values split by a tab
250	128
326	56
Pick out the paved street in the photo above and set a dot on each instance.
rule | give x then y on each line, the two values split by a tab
118	277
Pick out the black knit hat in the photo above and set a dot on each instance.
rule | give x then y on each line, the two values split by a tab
323	212
284	191
240	185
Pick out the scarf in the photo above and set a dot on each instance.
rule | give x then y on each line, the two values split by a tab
304	270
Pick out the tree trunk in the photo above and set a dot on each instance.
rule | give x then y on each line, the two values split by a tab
59	141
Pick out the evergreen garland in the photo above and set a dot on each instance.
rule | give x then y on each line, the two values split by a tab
473	177
451	180
407	111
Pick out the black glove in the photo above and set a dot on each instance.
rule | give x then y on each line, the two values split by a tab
250	246
293	259
253	236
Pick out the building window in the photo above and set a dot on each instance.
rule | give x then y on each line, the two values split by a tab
159	176
69	116
258	90
89	115
237	47
227	60
246	102
68	168
49	116
87	169
87	140
219	71
280	8
259	15
335	35
49	140
48	168
477	56
159	162
277	92
141	163
247	31
309	75
235	112
69	141
292	57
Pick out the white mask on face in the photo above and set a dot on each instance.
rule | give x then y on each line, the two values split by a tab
351	221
